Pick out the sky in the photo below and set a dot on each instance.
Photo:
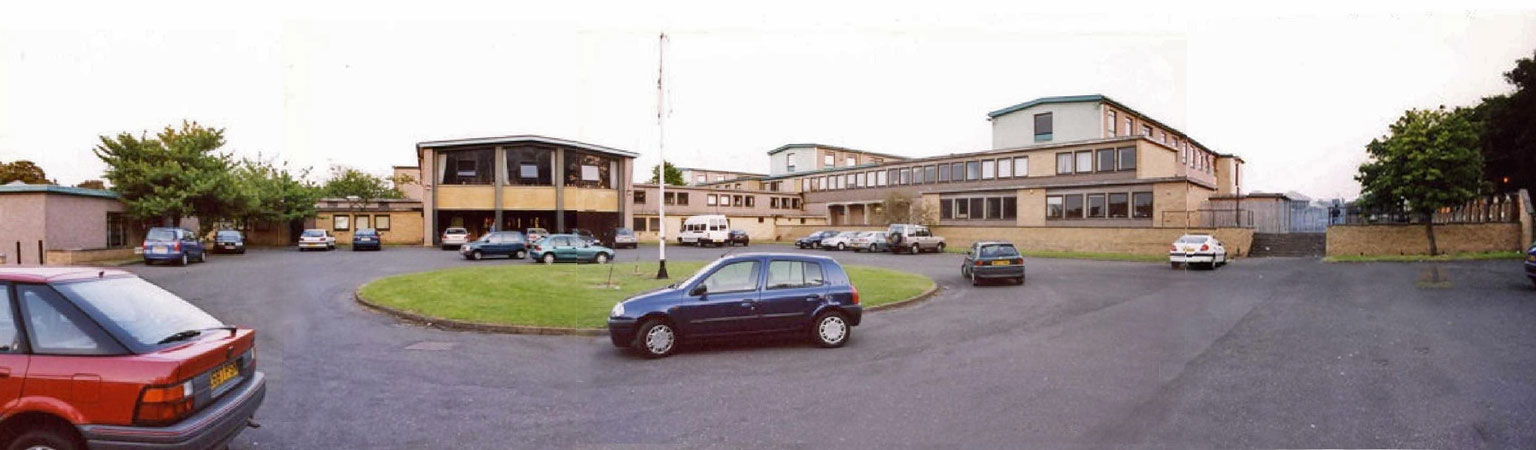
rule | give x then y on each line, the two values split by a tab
1297	90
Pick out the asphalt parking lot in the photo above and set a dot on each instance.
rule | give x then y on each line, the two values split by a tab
1263	353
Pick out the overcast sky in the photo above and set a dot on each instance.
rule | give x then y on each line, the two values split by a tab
1296	91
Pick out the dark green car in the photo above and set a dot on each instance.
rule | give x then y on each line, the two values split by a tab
569	247
989	260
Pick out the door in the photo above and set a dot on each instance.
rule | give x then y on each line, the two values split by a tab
192	245
13	358
565	248
728	304
495	244
792	292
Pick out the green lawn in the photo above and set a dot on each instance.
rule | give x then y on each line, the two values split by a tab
571	295
1079	255
1513	254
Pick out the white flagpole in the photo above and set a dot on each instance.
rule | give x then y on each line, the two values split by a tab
661	146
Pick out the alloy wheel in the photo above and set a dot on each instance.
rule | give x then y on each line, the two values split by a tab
832	329
660	339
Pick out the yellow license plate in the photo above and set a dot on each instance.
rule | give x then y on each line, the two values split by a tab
1531	258
223	374
999	263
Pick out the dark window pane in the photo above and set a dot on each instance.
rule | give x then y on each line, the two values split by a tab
962	208
994	207
1010	207
930	173
1042	124
639	224
957	172
946	209
1119	206
1128	158
529	166
943	173
906	176
1141	203
1106	160
976	208
588	170
1095	205
1074	207
1063	163
467	167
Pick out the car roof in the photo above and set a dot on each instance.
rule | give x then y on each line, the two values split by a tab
760	255
993	243
49	274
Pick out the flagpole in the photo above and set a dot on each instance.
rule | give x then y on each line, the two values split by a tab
661	146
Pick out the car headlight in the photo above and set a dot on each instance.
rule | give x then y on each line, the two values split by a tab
618	310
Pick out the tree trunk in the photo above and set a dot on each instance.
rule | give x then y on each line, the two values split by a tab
1429	229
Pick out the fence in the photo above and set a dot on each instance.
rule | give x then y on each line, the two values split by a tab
1208	218
1497	208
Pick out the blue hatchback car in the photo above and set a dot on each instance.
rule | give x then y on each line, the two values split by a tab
746	294
511	244
173	245
367	239
1530	263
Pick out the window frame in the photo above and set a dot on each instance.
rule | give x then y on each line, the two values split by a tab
1120	158
1070	163
1060	210
1098	159
1067	206
1088	206
1004	162
1151	205
988	169
341	222
107	344
1078	161
1125	204
1049	126
972	170
1021	170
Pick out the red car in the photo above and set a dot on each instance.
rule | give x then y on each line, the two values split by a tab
103	359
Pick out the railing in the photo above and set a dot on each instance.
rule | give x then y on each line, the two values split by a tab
1207	218
1495	208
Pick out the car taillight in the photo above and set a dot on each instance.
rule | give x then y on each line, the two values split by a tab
1018	261
1173	248
1204	247
978	262
146	245
176	246
855	294
164	404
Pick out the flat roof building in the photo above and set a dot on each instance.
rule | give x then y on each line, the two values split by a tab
50	224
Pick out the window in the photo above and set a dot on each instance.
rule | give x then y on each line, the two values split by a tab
943	173
639	197
957	172
962	208
1109	124
1085	161
655	224
341	222
1129	125
1141	204
362	222
1063	163
1106	160
1053	207
1005	168
117	232
988	169
734	277
1042	127
978	207
639	224
701	179
821	183
793	274
9	340
682	198
529	166
750	202
994	207
719	178
917	175
773	202
709	200
864	179
1021	166
1095	205
946	209
466	166
906	176
1074	206
1119	206
1010	207
931	173
587	170
56	327
972	170
1146	131
1128	158
849	161
828	160
880	178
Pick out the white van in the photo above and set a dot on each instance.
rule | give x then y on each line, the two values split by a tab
709	229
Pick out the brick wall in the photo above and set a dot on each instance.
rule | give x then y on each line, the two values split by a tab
1141	241
85	257
1411	239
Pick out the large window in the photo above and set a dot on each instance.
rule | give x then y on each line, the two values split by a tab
1106	160
1084	161
1095	205
931	173
1010	207
962	209
588	170
1141	205
1005	168
1119	205
972	170
988	169
56	327
734	277
828	160
1064	163
946	211
943	173
978	207
529	166
1042	127
1128	158
1054	208
1021	166
880	178
381	222
341	222
467	166
994	207
917	175
1109	124
1074	206
957	172
906	176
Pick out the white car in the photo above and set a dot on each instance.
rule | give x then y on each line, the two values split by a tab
1194	249
455	237
316	238
711	229
841	241
868	241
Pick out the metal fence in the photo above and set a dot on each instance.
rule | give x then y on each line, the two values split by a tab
1487	209
1208	218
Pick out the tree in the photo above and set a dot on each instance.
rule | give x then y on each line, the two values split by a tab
23	171
177	174
358	187
92	184
1429	160
275	193
674	174
898	207
1509	130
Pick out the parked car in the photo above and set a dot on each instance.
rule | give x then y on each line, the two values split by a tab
316	238
367	239
1530	263
710	229
754	293
569	247
534	234
177	245
510	244
990	260
453	237
109	360
739	237
814	240
1195	249
624	237
869	241
840	241
229	241
914	239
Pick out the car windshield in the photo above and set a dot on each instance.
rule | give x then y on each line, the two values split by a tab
1192	240
229	234
313	233
625	232
161	235
140	313
456	231
366	232
998	251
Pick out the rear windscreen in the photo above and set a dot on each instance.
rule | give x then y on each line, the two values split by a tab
162	235
998	251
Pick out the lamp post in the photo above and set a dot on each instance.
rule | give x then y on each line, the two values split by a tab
661	146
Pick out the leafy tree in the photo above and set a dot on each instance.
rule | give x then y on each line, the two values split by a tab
674	174
275	193
23	171
898	207
177	174
359	187
92	184
1509	134
1429	160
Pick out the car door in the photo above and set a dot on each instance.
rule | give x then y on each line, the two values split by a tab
792	290
66	346
13	355
565	248
727	304
493	245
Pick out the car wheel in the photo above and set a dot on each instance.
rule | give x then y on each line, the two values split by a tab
46	438
940	248
601	258
1019	281
841	247
183	261
746	243
476	255
656	339
916	249
520	255
831	330
549	258
974	280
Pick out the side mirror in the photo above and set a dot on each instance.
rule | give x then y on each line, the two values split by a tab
699	291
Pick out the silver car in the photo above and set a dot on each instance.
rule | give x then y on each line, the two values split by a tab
625	238
455	237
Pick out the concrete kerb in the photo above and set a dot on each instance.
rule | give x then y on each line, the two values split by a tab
460	325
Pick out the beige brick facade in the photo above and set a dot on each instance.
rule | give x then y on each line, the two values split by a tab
1411	239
